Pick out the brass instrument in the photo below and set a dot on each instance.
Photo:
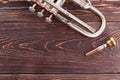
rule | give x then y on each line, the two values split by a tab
55	8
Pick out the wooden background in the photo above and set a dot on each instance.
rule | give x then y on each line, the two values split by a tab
31	49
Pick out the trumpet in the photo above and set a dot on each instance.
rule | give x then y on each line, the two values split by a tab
55	8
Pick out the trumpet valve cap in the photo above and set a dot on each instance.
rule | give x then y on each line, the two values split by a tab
49	20
31	9
40	14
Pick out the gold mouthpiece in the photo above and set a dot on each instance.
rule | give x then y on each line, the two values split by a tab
110	43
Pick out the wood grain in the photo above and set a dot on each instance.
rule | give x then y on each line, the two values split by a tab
30	45
18	12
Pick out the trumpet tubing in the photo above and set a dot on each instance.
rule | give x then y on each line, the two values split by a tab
86	4
55	8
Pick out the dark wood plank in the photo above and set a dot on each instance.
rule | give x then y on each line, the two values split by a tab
59	77
39	48
29	45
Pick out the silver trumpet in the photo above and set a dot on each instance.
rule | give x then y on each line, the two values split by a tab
55	8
